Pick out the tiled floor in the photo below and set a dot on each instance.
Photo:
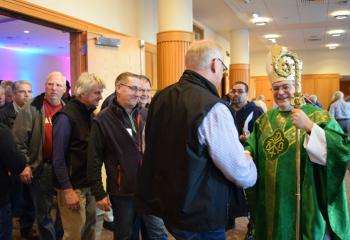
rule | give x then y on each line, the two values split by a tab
237	234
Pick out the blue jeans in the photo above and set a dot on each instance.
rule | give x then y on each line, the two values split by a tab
42	192
154	228
218	234
5	222
124	218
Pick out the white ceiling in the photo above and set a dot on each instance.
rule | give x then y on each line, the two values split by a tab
42	40
297	21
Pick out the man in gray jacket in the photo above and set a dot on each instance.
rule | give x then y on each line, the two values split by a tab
33	134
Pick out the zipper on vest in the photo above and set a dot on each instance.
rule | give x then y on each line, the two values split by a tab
119	177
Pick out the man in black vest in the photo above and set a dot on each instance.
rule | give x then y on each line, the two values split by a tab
71	130
193	156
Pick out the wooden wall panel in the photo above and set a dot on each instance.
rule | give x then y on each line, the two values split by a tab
324	86
151	65
262	86
171	50
345	87
109	62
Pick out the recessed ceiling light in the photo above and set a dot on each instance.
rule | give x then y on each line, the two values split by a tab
268	36
336	32
342	14
332	45
260	21
255	15
26	31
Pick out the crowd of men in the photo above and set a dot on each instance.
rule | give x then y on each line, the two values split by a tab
182	164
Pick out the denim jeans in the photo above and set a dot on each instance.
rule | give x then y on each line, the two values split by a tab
218	234
42	192
5	222
154	228
124	218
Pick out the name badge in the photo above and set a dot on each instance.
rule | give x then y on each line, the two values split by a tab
129	131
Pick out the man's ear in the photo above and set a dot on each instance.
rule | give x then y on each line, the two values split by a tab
213	66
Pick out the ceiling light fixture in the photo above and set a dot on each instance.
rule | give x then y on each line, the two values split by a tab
26	31
260	21
332	45
336	32
268	36
342	14
255	15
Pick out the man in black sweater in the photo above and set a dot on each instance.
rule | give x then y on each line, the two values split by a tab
71	130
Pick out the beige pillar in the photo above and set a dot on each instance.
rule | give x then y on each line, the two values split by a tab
174	37
239	67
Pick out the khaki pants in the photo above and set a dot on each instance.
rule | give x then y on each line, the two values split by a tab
78	224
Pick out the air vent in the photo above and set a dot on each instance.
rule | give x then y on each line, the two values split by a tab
312	2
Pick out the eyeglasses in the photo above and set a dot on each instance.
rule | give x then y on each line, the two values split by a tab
24	91
134	89
223	64
284	87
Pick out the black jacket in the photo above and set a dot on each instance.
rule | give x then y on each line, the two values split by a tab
12	161
8	115
112	144
178	180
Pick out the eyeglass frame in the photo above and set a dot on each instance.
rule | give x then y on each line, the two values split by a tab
136	89
223	64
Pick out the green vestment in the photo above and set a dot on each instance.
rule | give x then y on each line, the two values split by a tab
323	197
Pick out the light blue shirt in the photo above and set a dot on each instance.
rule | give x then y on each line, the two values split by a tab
218	132
340	110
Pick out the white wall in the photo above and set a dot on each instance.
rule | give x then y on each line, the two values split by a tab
211	35
117	15
314	61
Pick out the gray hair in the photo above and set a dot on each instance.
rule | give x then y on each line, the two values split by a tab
200	54
20	82
86	82
338	95
2	90
59	74
124	77
143	77
7	83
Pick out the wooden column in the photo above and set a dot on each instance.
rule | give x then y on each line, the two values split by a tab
239	72
171	50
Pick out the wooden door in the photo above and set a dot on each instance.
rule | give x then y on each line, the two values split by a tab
109	62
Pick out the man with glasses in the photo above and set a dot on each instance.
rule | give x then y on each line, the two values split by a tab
32	130
246	112
324	154
193	155
21	202
116	141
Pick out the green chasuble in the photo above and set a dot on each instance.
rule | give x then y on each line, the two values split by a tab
323	197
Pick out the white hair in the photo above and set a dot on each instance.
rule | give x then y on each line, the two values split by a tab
200	54
86	82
